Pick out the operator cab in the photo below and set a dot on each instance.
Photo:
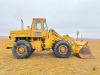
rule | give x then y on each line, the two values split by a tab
39	27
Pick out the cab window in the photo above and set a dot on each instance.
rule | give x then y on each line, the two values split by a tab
45	26
38	25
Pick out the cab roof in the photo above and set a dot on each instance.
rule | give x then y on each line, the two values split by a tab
39	18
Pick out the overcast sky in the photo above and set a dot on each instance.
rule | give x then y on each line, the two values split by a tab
65	16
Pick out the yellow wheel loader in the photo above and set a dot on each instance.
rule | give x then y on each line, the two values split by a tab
38	38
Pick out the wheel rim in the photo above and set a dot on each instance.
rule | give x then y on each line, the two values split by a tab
63	49
21	49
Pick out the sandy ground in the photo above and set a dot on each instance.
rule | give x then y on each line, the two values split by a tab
45	63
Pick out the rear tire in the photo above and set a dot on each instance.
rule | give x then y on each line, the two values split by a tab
62	49
22	49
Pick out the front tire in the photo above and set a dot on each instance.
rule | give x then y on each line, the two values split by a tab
22	49
62	49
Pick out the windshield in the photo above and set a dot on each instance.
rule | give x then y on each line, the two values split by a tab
45	26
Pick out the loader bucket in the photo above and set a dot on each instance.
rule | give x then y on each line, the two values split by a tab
85	52
80	48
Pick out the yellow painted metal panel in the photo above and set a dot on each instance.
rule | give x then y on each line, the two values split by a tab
9	44
36	45
20	33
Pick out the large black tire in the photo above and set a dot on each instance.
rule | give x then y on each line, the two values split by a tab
54	45
24	44
66	47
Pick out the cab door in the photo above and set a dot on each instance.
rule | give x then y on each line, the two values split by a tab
37	28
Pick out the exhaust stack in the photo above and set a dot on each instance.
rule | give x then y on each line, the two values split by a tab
22	25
